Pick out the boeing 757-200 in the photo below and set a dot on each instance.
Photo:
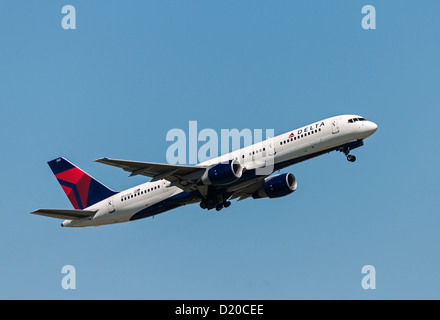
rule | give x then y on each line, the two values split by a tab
241	174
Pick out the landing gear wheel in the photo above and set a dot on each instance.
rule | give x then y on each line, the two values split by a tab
351	158
219	207
203	205
227	204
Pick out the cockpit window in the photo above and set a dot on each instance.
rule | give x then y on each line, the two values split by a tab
356	119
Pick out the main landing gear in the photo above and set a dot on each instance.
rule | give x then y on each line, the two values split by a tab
351	158
205	204
224	205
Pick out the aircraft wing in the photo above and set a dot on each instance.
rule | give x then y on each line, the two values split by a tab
69	214
248	190
182	176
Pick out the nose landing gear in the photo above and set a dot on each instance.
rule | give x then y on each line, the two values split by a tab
346	148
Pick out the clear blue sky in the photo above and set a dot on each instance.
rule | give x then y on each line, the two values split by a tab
132	70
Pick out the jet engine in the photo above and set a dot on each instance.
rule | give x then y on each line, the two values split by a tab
222	173
277	186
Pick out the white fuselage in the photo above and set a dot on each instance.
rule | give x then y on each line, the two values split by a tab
302	142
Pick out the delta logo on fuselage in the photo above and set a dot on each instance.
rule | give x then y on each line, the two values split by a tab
308	128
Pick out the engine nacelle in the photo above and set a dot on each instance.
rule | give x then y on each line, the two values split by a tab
222	173
277	186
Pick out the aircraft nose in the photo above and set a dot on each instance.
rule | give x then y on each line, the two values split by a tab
371	128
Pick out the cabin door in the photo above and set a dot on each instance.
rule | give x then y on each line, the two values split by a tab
111	205
335	127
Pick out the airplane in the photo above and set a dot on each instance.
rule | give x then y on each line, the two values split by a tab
241	174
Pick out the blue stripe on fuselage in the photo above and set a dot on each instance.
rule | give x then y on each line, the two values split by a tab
173	202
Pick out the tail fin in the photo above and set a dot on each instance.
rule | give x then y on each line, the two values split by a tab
81	189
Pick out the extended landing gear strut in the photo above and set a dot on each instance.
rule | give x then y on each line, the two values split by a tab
224	205
350	157
346	148
206	204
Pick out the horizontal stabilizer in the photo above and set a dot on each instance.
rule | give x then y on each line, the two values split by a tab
65	213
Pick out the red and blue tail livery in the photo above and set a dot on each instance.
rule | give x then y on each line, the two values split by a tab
82	190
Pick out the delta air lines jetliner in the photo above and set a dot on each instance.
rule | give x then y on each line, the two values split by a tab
241	174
